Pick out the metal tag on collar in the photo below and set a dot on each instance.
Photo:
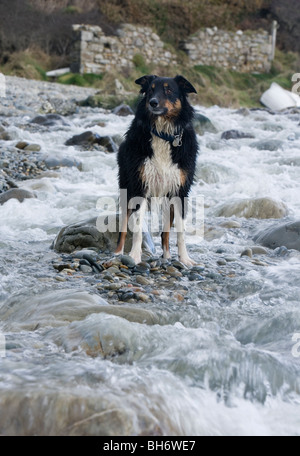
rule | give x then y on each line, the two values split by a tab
177	141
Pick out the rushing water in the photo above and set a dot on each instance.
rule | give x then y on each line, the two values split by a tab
223	362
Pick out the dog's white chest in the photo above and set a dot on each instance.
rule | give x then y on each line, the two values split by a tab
161	175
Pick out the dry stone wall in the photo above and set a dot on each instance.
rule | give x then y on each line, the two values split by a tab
95	52
249	51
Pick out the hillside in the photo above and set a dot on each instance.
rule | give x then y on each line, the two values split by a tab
36	36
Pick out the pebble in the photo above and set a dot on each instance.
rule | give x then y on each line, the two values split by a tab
247	252
142	268
222	262
142	297
257	250
142	280
60	278
111	286
193	276
198	268
127	261
112	270
178	296
86	269
173	272
259	263
179	265
32	148
22	145
231	224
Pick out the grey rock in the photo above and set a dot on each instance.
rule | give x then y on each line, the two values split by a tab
87	139
258	250
127	261
86	269
89	234
202	124
123	110
59	106
32	148
236	134
247	252
15	193
260	208
21	145
5	136
54	163
243	112
83	139
131	314
268	144
285	235
108	143
49	120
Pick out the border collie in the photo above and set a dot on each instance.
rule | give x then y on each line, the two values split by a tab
158	159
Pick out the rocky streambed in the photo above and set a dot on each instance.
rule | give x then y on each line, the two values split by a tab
92	344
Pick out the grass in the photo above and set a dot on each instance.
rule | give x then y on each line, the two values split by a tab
82	80
214	85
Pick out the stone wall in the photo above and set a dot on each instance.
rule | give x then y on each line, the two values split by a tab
249	51
95	52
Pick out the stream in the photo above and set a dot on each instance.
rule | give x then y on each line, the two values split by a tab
212	354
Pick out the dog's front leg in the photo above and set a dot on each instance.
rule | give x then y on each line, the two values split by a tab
136	225
179	224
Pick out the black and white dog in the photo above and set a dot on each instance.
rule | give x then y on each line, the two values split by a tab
158	159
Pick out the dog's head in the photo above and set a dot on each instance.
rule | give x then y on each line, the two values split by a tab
164	96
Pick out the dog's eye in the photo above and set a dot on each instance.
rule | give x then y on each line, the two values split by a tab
168	91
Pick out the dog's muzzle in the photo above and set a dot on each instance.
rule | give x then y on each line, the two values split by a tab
155	109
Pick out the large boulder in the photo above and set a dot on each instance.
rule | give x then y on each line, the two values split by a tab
203	124
260	208
88	139
90	233
287	235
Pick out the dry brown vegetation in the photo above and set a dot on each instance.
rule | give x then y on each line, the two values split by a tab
47	23
36	36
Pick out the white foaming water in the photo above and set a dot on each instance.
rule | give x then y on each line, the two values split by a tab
220	364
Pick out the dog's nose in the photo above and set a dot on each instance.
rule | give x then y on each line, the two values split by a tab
153	102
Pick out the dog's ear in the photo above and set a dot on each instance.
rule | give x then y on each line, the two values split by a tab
184	84
145	82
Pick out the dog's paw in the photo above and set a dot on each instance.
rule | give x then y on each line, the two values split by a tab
166	255
136	257
187	261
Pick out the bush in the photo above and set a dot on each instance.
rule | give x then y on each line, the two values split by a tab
140	63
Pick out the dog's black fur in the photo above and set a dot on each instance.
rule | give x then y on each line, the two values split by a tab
165	98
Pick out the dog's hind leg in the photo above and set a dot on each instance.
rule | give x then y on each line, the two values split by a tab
122	236
136	222
179	224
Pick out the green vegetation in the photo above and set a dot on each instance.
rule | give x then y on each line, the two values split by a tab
24	23
140	63
82	80
214	85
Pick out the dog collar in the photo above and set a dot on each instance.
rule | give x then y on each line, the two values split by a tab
176	140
